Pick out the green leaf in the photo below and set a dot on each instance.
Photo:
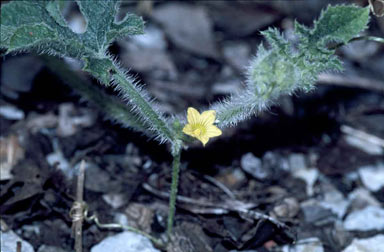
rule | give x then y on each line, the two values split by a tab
130	25
277	41
99	68
31	35
53	9
283	70
340	24
39	26
99	16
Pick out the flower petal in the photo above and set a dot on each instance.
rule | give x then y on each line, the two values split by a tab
204	139
193	115
208	117
188	130
213	131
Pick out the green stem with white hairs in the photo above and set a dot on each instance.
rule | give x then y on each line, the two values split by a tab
174	189
143	106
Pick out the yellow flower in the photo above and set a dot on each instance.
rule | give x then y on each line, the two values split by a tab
201	126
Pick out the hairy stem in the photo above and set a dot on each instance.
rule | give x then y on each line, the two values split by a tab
143	106
371	38
174	187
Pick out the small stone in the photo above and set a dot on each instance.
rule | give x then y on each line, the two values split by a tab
309	176
11	112
3	226
374	243
362	145
351	177
335	201
45	248
370	218
125	242
37	122
188	237
339	235
101	180
121	218
115	200
253	166
372	177
140	216
237	54
315	214
361	198
30	231
176	18
287	209
231	177
273	161
306	245
62	163
69	122
151	60
299	169
147	165
9	240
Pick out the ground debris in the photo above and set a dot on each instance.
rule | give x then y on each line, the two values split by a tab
125	242
189	237
374	243
188	26
9	240
370	218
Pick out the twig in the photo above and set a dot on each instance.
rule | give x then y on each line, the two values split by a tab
77	211
235	206
362	135
220	186
165	195
18	246
355	82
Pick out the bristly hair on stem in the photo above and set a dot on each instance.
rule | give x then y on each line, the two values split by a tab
174	189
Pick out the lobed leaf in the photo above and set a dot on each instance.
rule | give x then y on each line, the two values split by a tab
39	25
285	67
339	23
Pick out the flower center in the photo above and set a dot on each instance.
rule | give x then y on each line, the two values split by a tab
199	129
